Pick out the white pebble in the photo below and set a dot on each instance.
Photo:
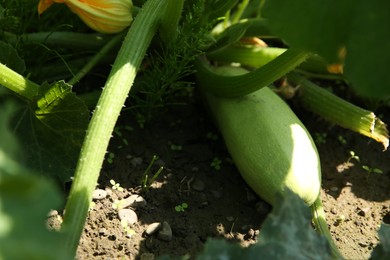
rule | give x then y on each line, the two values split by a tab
153	228
128	215
99	194
133	201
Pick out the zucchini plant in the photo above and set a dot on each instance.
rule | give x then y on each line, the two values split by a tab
270	146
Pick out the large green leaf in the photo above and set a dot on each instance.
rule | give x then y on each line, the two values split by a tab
53	129
324	27
25	200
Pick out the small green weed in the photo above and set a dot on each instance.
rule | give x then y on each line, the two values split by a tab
216	163
116	186
146	182
181	207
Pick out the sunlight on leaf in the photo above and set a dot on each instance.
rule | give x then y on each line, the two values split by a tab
58	122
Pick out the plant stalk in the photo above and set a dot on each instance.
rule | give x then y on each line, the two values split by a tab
319	220
17	83
339	111
235	86
104	118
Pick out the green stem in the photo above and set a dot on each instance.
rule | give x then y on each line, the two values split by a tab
105	116
170	21
319	220
96	58
235	86
240	10
71	40
17	83
339	111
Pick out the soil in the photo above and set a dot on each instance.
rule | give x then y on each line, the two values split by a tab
220	204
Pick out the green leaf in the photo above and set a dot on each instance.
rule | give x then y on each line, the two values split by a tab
25	200
53	130
287	234
324	27
10	58
382	250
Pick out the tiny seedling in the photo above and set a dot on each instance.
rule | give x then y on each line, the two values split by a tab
216	163
342	140
370	170
111	157
353	156
129	231
175	147
320	138
181	207
118	204
115	185
146	182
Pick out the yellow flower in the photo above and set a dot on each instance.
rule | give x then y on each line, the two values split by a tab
105	16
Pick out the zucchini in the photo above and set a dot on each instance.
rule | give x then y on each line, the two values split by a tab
269	145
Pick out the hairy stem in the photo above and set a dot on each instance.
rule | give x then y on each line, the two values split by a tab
17	83
105	116
339	111
319	220
235	86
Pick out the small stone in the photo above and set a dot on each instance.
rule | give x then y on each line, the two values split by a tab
52	213
165	232
153	228
334	189
102	231
133	201
363	211
198	185
128	215
99	194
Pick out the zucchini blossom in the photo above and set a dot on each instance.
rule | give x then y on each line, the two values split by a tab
105	16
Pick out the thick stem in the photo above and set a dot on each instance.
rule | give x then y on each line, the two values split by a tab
105	116
339	111
17	83
236	86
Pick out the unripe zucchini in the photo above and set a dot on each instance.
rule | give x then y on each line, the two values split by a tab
268	143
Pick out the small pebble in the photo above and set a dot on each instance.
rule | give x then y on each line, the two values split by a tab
334	189
102	231
198	185
133	201
363	211
153	228
52	213
128	215
165	232
99	194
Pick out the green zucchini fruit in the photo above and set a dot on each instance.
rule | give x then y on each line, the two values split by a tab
268	143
